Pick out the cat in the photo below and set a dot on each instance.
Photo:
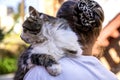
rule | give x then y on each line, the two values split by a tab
50	40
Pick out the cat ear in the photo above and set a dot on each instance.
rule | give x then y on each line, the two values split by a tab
33	12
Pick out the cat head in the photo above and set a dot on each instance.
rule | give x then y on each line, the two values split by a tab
32	26
35	26
35	20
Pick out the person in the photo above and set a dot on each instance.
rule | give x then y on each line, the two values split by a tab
84	67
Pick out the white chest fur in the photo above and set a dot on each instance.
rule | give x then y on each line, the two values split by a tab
58	40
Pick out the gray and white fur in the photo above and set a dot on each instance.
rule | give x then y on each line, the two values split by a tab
51	39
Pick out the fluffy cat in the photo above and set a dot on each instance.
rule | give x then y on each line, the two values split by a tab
51	39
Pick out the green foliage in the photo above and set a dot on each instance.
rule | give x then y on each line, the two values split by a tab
7	65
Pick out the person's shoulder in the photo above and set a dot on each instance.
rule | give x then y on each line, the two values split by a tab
90	59
36	73
81	58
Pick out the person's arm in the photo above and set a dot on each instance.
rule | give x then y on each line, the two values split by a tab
111	30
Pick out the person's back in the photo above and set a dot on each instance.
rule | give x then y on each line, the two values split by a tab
82	68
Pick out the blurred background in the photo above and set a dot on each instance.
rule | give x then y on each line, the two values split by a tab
12	13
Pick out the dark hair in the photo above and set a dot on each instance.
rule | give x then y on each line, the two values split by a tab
85	18
85	15
88	15
66	11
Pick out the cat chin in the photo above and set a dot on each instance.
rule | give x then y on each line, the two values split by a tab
28	41
25	40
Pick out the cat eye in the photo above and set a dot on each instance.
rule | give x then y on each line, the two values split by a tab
30	31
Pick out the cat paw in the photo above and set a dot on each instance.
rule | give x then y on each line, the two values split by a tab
29	64
54	70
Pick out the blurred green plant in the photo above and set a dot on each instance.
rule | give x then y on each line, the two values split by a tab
7	65
7	62
8	59
10	48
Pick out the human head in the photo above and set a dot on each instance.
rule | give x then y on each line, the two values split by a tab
66	11
85	18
